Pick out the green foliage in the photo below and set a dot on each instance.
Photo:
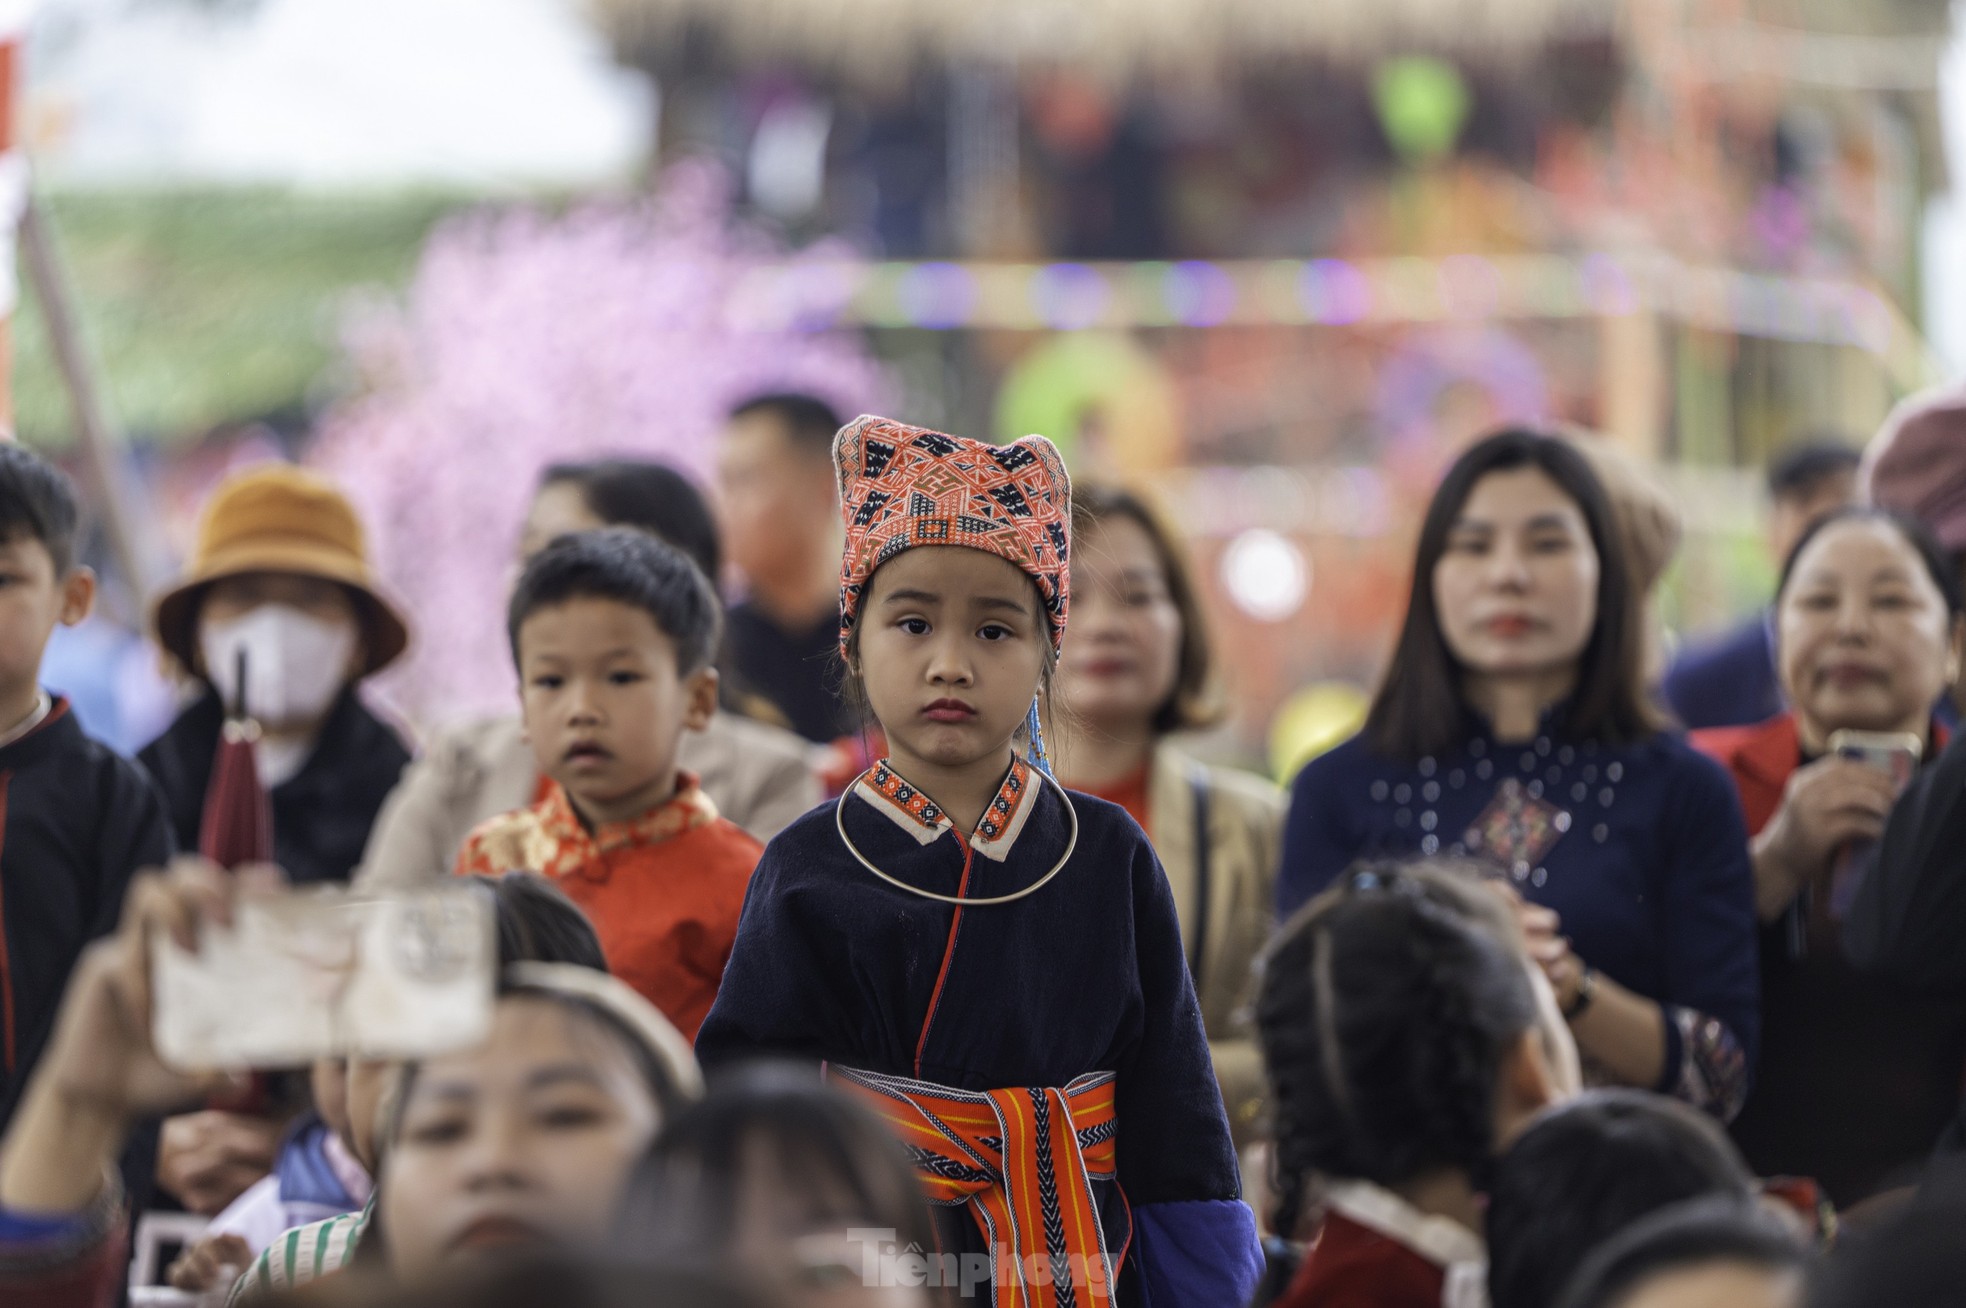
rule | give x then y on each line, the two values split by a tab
208	306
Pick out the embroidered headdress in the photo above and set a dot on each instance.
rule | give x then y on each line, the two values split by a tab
903	486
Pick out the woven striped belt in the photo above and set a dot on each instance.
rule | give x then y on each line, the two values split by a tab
1023	1162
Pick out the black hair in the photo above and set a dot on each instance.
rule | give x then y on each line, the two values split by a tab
1420	709
1938	564
629	567
1700	1232
1384	1011
1800	469
652	496
537	923
37	501
1583	1172
809	422
687	1195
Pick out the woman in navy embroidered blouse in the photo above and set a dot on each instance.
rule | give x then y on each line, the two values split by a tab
1512	729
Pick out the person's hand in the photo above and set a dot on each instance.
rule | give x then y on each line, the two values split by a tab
101	1057
211	1264
208	1159
1826	805
100	1071
1550	950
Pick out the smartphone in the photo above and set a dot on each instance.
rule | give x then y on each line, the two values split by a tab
1894	752
326	972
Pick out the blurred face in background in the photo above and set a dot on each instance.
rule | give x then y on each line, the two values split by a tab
1124	658
33	599
778	502
558	509
1863	637
1791	516
298	637
1516	585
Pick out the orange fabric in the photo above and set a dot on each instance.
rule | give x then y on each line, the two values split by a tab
1023	1160
1129	792
1763	757
663	890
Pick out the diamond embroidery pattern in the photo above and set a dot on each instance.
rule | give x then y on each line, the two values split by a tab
1516	829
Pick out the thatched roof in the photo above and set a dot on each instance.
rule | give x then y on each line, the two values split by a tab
1114	36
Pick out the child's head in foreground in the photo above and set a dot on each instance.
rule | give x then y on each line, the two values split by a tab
1407	1035
612	633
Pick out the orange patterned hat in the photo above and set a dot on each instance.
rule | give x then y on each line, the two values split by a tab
903	486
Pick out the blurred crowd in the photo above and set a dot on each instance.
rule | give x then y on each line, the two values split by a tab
882	937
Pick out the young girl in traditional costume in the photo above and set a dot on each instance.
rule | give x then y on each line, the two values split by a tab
995	962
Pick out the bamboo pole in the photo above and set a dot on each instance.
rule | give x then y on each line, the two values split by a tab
102	469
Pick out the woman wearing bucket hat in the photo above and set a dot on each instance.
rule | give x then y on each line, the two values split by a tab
279	619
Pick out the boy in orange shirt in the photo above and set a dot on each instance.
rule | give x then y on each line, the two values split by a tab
613	632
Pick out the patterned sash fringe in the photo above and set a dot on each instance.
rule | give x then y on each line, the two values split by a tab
1022	1161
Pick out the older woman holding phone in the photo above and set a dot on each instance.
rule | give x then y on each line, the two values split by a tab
1859	1074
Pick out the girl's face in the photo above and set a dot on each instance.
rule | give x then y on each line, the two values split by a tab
1516	586
1864	636
1125	654
525	1141
951	650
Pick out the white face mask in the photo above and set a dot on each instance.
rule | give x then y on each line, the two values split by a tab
295	663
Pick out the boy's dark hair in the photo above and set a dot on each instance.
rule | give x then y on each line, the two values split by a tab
37	501
1419	709
651	496
1720	1229
1801	468
835	1155
629	567
537	923
1583	1172
1938	564
809	422
1385	1009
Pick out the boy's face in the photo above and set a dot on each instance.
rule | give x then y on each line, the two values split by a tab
605	706
951	651
32	600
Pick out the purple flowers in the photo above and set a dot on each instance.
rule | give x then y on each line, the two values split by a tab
527	338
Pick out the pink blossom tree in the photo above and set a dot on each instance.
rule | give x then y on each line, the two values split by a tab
618	328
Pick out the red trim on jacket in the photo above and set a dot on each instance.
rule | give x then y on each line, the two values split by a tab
948	955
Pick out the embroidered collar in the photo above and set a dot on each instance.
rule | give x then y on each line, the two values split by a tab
1445	1243
904	804
686	810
